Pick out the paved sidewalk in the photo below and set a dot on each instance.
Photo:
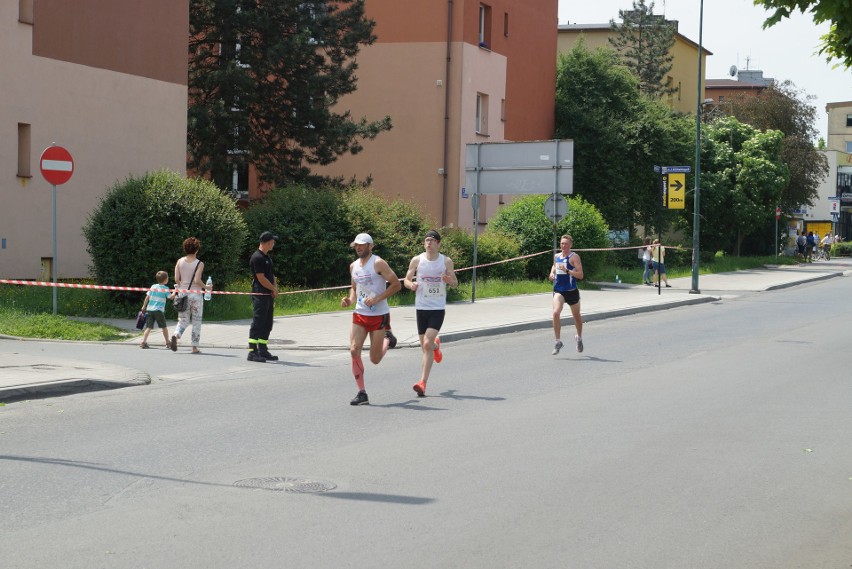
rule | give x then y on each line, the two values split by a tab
330	331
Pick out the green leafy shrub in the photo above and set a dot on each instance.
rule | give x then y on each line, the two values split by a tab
491	247
139	226
842	249
397	227
525	221
315	235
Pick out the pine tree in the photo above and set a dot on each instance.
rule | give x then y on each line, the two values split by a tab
644	41
264	78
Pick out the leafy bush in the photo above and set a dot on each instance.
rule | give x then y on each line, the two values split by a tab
491	247
397	227
139	226
842	249
525	221
314	232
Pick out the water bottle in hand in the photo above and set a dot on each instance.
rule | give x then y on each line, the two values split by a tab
207	294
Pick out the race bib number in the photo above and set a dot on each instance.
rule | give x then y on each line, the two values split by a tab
561	269
433	287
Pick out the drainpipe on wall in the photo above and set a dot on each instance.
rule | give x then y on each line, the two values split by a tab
445	197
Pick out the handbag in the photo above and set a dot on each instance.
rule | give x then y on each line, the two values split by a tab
140	320
181	301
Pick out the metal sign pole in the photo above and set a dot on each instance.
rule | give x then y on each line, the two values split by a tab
475	198
53	264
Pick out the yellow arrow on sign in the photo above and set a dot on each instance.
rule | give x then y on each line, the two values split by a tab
677	191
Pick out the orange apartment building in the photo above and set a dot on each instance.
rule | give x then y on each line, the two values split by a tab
450	72
106	79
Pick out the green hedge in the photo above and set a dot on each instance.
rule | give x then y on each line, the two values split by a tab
139	225
490	247
525	220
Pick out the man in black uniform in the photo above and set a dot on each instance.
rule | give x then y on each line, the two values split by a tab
264	303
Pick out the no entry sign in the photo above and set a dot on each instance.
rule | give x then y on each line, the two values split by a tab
56	164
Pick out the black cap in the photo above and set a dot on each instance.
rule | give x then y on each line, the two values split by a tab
268	236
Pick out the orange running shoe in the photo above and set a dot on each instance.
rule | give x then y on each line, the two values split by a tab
438	355
420	388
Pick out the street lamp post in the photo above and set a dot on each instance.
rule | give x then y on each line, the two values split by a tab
696	219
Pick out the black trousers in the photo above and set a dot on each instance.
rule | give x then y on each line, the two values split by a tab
261	323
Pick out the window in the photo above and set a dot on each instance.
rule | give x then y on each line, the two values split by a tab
24	151
25	11
485	26
240	181
849	147
506	24
481	113
848	120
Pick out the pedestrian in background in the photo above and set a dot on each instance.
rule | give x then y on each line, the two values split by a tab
826	243
373	282
154	307
658	261
265	290
645	255
188	272
567	269
801	241
429	274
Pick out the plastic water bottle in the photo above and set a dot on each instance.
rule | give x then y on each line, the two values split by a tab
617	280
207	294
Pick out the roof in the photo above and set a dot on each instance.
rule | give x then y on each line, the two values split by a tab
606	27
731	84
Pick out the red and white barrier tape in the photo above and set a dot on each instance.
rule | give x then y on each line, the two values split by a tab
341	287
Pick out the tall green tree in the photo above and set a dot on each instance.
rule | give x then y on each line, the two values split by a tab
837	43
264	78
742	179
783	107
644	40
619	136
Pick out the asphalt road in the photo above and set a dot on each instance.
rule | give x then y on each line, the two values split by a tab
710	436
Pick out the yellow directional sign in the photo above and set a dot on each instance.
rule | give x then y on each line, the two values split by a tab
676	185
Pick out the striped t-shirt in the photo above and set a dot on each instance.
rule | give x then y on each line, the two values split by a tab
157	297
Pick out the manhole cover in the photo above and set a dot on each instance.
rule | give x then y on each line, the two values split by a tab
284	484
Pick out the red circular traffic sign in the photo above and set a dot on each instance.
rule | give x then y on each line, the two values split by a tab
777	213
57	165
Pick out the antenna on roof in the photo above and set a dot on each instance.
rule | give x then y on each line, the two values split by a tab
732	71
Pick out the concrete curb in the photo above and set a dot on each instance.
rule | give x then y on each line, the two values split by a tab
46	377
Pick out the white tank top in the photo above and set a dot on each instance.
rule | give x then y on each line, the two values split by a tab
369	283
431	293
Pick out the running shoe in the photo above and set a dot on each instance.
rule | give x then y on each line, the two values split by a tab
389	335
579	343
420	388
556	347
173	343
439	356
360	399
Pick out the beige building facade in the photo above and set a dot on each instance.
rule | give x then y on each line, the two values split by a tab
107	80
839	144
448	74
683	74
